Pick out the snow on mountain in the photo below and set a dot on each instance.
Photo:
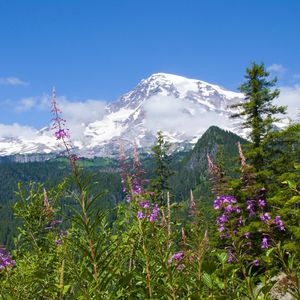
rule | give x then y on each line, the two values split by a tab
182	108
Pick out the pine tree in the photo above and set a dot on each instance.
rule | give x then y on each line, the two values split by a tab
258	111
282	160
160	184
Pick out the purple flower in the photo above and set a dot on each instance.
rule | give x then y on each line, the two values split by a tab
144	204
256	262
180	267
221	228
222	219
264	244
178	256
261	203
152	217
5	260
136	190
249	204
240	220
248	244
279	223
230	257
140	215
247	235
155	209
217	203
250	207
60	134
58	242
223	199
252	213
229	209
265	217
237	210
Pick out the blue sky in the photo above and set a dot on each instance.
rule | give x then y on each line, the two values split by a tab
100	49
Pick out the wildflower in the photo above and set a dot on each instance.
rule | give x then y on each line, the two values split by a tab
247	235
176	257
155	209
224	235
217	203
250	207
240	221
256	262
279	223
265	217
261	203
221	228
248	244
180	267
237	209
58	242
230	257
5	260
222	219
140	215
264	244
154	214
152	217
144	204
60	134
229	209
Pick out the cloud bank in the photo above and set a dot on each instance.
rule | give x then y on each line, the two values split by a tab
177	115
290	97
16	130
77	114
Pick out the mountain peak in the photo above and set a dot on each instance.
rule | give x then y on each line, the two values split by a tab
184	84
181	107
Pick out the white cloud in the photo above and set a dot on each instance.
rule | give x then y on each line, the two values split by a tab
25	104
14	81
15	130
172	114
79	114
31	103
276	68
290	96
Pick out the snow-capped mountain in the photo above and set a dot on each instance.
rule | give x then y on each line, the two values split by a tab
182	108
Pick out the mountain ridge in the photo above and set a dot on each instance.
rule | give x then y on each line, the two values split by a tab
182	108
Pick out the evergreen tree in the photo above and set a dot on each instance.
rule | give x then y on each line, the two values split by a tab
282	158
160	184
258	111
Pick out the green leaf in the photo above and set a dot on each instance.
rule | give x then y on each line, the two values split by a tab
222	257
291	183
268	252
297	167
207	280
292	201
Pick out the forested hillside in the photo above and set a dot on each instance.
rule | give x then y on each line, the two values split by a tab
190	172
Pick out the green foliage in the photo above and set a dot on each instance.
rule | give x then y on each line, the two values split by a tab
160	184
258	110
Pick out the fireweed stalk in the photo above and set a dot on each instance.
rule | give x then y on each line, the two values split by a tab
234	217
61	133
